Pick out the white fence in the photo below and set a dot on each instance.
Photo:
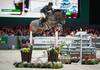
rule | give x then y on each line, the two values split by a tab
39	42
45	42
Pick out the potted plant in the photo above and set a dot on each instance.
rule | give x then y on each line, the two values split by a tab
26	53
53	53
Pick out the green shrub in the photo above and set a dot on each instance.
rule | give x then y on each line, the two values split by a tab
44	65
90	62
33	65
16	64
27	65
54	65
49	65
20	65
39	65
95	61
57	65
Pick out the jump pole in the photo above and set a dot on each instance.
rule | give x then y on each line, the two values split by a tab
30	29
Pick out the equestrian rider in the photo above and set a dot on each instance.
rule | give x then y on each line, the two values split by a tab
46	10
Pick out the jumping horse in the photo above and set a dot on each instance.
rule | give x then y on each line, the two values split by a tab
55	20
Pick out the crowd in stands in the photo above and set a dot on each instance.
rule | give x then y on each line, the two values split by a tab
24	30
18	30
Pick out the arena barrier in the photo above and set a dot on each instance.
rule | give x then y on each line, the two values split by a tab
12	41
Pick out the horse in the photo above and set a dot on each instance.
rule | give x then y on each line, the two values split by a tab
55	20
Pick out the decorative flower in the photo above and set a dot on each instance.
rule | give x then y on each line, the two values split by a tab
27	49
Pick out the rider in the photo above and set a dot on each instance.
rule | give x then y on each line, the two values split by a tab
47	9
